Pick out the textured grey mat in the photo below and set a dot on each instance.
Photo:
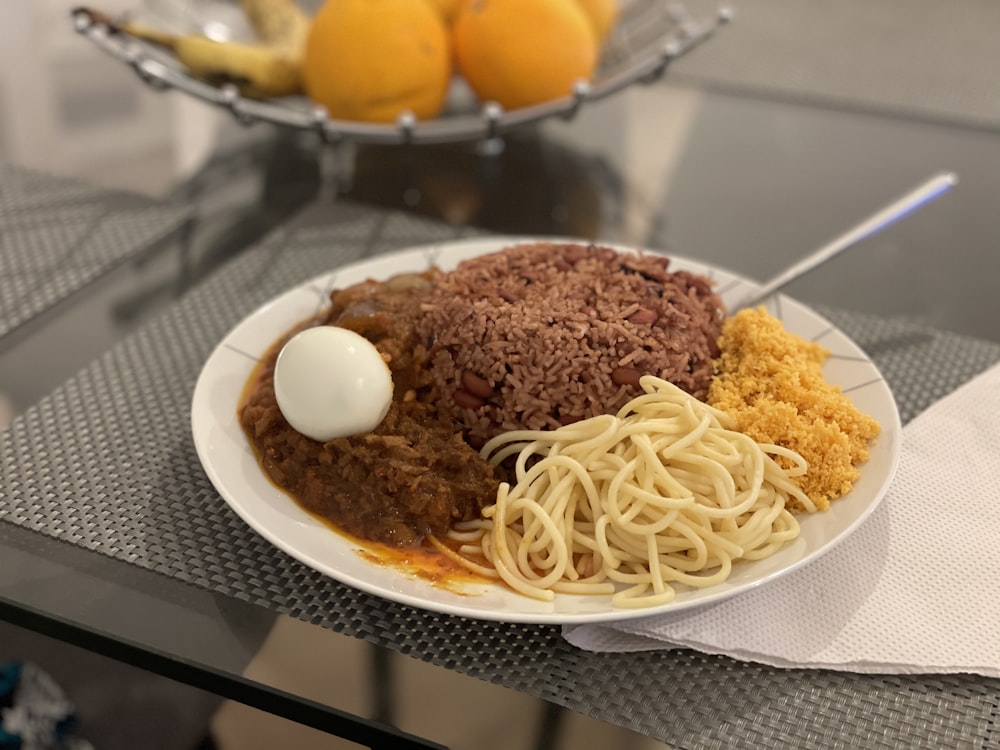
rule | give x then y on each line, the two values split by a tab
57	235
919	58
107	462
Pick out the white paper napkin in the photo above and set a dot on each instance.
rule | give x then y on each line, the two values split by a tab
915	590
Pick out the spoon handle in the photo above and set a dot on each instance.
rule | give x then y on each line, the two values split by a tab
875	223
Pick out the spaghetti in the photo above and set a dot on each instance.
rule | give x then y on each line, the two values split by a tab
664	492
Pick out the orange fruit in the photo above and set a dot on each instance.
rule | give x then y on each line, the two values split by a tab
373	60
447	9
523	52
602	14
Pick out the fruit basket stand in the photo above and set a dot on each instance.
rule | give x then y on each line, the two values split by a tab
649	36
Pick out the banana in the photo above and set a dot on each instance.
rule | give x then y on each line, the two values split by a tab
258	70
279	23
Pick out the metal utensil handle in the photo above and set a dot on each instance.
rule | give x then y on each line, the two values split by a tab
913	200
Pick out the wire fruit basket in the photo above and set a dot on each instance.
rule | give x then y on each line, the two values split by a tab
649	36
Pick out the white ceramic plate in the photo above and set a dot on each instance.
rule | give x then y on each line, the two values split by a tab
232	467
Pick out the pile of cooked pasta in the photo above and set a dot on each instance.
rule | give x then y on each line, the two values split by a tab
664	492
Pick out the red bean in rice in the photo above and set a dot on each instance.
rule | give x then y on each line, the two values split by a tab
543	334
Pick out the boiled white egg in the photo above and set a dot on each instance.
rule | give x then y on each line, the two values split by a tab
330	382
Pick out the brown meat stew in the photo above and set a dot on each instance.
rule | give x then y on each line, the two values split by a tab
414	475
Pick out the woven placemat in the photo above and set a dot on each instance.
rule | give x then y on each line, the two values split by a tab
107	462
57	235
